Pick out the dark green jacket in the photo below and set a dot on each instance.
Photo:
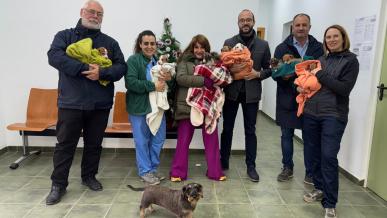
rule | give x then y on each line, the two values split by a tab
138	87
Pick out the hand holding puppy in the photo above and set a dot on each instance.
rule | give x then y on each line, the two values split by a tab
253	75
93	72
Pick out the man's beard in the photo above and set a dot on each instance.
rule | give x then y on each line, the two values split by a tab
90	24
248	32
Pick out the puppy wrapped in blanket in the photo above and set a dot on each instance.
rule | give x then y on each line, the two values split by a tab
159	100
285	68
180	202
239	54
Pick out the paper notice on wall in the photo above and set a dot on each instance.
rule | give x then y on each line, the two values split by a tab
364	53
364	40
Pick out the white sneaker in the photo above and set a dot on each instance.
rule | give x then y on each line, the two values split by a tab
330	213
314	195
159	175
150	179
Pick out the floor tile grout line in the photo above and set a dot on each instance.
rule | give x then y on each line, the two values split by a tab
247	193
108	210
75	203
117	193
216	199
380	203
284	202
34	206
290	210
25	185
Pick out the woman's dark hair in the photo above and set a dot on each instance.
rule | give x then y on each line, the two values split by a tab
137	48
344	35
202	40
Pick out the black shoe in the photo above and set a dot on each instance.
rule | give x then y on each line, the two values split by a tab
285	175
308	180
93	184
55	195
253	175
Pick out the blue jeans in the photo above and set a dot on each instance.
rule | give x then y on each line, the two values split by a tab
250	110
287	151
324	136
287	147
148	146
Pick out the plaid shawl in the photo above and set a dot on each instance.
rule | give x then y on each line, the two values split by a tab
206	103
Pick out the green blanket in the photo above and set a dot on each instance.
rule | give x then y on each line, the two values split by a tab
83	51
287	68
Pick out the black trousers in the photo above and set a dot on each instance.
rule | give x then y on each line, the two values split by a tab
70	125
250	110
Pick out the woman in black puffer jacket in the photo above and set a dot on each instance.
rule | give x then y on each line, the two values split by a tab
326	115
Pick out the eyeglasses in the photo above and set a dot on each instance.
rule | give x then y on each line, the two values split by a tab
149	43
247	20
94	12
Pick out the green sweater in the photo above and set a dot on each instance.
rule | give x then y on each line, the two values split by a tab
138	87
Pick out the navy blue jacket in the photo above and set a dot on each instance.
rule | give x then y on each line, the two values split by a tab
75	91
260	54
286	105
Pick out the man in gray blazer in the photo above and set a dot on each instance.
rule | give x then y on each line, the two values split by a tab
246	92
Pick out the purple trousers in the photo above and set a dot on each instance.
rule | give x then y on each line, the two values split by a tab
185	132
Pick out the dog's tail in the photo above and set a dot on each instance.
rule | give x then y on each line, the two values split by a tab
136	189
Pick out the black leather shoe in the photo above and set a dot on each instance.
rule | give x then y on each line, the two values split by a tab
92	183
253	175
55	195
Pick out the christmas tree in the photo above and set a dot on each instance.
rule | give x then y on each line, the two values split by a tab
168	44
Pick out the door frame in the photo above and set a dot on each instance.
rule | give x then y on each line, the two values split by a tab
381	40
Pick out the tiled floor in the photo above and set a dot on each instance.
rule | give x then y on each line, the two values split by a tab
23	191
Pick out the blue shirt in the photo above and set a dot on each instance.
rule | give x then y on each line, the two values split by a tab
301	49
149	67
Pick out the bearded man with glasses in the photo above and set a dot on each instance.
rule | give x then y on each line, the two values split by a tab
83	102
245	91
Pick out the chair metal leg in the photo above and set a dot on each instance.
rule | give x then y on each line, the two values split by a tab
26	152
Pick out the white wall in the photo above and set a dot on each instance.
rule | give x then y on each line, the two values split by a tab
356	141
2	124
28	28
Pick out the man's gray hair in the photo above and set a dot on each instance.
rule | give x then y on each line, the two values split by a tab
91	1
301	14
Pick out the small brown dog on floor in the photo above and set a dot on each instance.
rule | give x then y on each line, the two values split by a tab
180	202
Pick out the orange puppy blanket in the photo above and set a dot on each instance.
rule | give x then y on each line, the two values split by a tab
307	81
237	56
